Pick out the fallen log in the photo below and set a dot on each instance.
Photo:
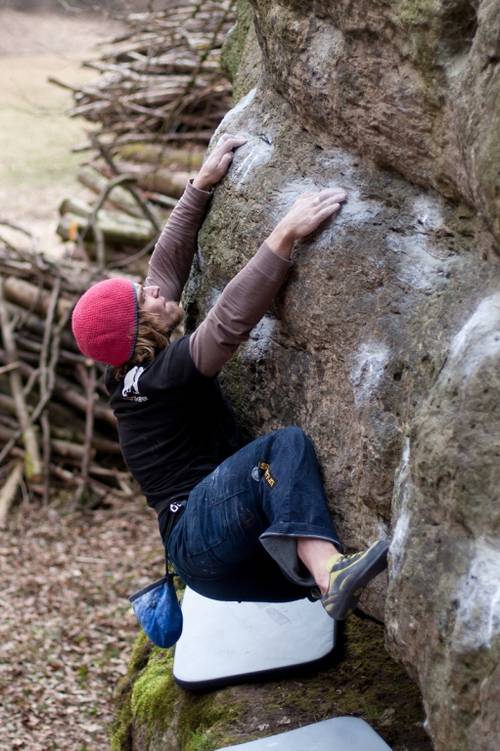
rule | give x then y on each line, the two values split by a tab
114	231
33	298
119	198
186	160
160	180
81	208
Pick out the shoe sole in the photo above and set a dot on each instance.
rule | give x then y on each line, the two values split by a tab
378	562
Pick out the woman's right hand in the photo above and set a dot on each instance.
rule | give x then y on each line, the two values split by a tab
306	214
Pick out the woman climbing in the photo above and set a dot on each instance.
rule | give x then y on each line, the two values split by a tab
240	523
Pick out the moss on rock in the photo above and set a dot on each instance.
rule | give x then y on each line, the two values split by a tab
234	43
153	693
241	56
415	12
121	730
204	721
360	679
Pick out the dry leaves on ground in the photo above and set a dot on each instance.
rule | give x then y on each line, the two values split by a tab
67	627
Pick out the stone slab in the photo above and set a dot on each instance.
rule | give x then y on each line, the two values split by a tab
337	734
223	642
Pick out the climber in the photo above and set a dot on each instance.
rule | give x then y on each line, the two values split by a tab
241	522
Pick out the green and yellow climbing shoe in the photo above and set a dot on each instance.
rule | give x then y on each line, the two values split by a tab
349	574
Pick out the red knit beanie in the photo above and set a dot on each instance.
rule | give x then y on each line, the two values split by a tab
105	321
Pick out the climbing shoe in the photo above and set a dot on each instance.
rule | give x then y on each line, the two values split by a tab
349	574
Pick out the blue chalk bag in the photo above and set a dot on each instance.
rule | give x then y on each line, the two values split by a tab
156	607
158	611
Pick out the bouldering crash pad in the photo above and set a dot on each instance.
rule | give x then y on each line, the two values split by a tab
227	642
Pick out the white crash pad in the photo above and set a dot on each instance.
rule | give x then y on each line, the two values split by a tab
338	734
224	642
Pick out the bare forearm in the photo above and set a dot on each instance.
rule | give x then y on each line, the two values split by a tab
281	242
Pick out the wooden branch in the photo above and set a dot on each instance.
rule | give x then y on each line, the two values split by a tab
9	367
89	380
8	492
32	464
121	198
30	297
115	230
44	400
148	212
44	380
128	260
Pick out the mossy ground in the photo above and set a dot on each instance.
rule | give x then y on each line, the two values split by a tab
360	680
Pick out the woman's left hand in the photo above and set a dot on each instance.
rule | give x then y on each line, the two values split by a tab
217	163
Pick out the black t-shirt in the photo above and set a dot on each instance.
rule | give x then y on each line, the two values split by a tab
174	425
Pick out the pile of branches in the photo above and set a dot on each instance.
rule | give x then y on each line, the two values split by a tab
122	226
161	81
161	95
56	428
159	98
134	201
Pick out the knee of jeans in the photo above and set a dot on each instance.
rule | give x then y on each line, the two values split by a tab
294	434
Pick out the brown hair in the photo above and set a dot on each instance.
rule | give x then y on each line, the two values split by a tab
150	338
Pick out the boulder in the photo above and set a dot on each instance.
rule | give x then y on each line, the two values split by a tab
443	610
356	338
384	344
413	84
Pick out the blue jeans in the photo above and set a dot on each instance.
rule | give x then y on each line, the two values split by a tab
236	539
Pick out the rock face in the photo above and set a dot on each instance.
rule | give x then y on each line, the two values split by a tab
444	600
385	343
414	84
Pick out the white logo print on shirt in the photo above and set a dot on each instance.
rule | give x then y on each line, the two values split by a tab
130	389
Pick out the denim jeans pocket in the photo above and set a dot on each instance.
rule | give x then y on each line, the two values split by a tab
203	565
205	526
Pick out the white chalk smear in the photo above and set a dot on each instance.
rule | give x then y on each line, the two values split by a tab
254	154
369	363
418	267
233	113
356	210
479	339
402	491
259	343
478	593
427	211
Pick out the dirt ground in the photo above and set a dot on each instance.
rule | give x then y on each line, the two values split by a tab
66	627
37	168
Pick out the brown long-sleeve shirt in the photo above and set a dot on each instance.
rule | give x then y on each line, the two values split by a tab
242	303
173	422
